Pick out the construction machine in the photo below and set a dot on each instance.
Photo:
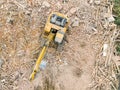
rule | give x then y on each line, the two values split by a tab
54	31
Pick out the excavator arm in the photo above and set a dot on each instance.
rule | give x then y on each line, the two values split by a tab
42	54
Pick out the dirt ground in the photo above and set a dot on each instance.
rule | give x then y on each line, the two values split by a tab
21	24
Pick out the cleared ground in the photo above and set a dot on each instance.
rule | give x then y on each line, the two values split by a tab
22	23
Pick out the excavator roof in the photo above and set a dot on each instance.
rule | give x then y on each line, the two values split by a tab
58	20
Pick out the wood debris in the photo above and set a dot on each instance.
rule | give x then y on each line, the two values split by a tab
106	69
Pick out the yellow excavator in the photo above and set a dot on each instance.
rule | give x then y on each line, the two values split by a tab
55	29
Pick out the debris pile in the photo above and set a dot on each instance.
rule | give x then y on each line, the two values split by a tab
106	72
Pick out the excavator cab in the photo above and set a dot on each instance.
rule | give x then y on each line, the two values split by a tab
57	23
57	20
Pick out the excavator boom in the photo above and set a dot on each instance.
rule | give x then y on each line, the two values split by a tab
41	56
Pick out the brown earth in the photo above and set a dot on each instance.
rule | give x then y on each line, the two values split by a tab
22	23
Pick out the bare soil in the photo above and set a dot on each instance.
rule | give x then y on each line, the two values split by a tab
21	24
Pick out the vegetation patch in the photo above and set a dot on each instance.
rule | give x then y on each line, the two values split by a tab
116	11
118	48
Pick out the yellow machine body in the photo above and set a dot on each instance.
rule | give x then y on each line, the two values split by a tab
49	25
55	29
58	28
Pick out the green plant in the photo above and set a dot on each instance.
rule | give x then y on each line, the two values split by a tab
116	11
118	48
117	20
